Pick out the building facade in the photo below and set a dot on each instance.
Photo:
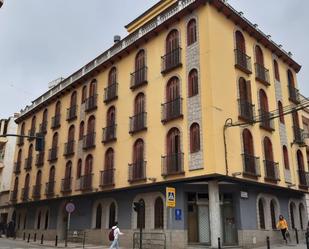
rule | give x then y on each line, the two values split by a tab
7	153
186	100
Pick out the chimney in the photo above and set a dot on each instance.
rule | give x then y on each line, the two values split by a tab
117	39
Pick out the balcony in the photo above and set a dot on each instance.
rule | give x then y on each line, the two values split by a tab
72	113
171	110
271	171
262	74
17	167
139	78
294	94
13	195
242	61
246	110
303	178
299	136
69	148
109	134
28	163
137	171
266	120
31	134
91	103
89	141
85	182
20	141
25	194
43	127
55	123
36	191
171	61
66	185
107	178
50	188
111	93
251	165
172	164
53	154
138	122
39	161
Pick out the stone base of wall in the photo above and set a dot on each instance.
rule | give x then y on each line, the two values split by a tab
48	234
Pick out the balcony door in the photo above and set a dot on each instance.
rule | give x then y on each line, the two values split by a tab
240	42
138	159
173	150
248	152
259	56
110	117
172	89
172	41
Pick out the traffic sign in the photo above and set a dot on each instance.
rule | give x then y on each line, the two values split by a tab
70	207
171	197
178	214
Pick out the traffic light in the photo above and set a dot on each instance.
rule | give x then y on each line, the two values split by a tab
137	207
39	142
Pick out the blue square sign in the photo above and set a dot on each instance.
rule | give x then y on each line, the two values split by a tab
178	214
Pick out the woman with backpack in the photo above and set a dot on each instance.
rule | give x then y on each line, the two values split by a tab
114	236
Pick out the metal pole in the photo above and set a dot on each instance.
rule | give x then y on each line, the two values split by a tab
296	236
219	243
307	239
42	239
268	242
24	236
34	237
84	239
67	230
56	241
140	232
28	238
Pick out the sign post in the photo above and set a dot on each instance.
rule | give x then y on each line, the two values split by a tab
170	202
69	207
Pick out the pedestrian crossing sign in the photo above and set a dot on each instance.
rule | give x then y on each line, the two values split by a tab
171	197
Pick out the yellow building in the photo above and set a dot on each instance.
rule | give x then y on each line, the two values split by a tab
196	98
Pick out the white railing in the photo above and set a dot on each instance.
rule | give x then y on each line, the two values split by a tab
131	38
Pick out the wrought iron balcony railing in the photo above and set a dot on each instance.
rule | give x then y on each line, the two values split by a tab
299	136
55	122
43	127
72	113
262	74
25	194
139	78
69	148
246	110
271	170
20	141
137	171
266	120
89	141
85	182
172	164
303	178
107	177
53	154
50	188
39	160
17	167
171	61
243	61
13	195
251	165
109	133
138	122
31	134
172	110
111	93
28	163
91	103
294	95
36	191
66	185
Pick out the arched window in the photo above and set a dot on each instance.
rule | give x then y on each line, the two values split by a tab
141	215
193	83
93	88
172	89
19	156
138	160
261	214
112	76
302	216
30	152
172	41
286	158
191	32
52	174
22	129
270	169
276	69
91	125
194	138
81	130
259	57
38	178
240	42
84	94
38	226
273	214
112	215
248	152
88	165
58	108
139	104
244	91
291	81
33	124
79	169
69	146
263	101
174	155
281	114
27	181
46	220
16	184
295	119
159	213
73	101
45	116
43	126
71	133
111	117
68	170
140	62
109	159
98	220
292	213
301	169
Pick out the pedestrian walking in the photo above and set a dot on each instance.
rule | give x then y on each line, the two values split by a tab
283	226
114	236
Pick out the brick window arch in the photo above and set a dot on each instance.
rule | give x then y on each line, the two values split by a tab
191	32
194	138
193	83
111	116
112	76
93	88
139	104
159	213
261	205
276	69
112	215
240	42
172	89
281	113
259	57
73	100
84	94
98	218
141	215
138	152
81	130
79	169
109	159
286	157
172	41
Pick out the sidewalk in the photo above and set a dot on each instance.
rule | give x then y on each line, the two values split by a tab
289	246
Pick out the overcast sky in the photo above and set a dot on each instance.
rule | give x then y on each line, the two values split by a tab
41	40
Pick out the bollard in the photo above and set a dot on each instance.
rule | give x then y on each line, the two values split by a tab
268	242
34	237
307	239
24	236
219	243
42	239
84	238
28	238
56	241
296	236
